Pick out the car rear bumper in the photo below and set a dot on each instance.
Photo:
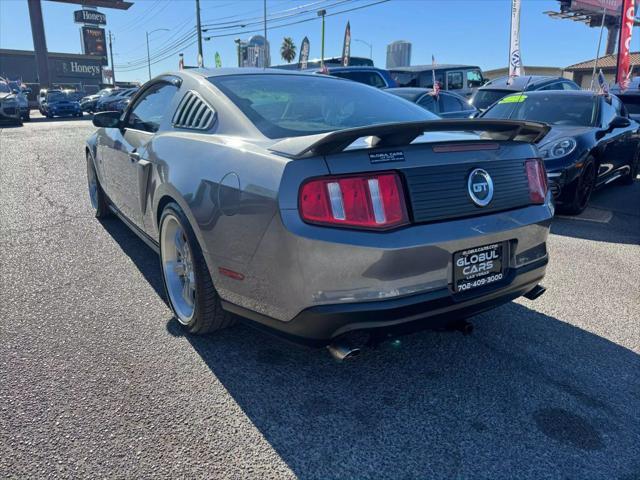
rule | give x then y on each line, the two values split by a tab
320	324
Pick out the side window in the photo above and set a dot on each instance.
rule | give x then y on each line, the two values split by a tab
552	86
151	107
449	103
454	81
608	111
570	86
428	102
619	107
474	78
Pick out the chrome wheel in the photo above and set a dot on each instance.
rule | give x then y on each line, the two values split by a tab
177	267
92	181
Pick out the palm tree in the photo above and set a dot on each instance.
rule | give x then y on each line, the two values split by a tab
288	49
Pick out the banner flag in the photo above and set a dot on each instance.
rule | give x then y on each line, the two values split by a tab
346	46
624	44
303	60
515	60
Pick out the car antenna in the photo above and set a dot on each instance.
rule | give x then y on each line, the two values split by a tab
515	104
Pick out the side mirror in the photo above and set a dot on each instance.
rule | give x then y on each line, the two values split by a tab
107	119
619	122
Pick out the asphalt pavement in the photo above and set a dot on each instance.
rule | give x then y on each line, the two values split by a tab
98	380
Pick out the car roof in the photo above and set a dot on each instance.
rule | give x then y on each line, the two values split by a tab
220	72
422	68
519	83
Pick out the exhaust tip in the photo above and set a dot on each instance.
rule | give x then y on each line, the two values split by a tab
535	292
342	350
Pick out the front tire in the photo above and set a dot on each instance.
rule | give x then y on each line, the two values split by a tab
635	169
97	196
187	281
578	194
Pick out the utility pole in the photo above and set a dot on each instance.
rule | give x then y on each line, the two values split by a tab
322	13
199	29
266	47
113	67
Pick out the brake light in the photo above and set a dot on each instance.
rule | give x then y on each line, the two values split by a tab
537	177
370	201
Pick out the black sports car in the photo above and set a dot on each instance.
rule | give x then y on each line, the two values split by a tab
592	141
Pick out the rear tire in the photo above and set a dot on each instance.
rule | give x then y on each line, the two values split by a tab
97	196
577	195
633	173
188	285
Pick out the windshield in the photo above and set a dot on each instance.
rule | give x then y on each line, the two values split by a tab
4	88
485	98
474	78
56	97
295	105
574	110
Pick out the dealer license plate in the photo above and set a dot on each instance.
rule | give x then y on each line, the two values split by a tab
478	267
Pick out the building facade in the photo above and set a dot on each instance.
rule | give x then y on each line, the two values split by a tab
582	72
399	54
67	70
254	53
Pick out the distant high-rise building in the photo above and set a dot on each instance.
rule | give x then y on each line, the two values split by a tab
399	54
254	53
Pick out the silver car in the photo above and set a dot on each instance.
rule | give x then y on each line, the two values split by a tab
317	206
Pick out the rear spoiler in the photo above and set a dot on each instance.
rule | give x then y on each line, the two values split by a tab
399	134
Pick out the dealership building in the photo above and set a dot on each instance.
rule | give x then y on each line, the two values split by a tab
68	70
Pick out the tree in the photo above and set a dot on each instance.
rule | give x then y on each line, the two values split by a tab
288	49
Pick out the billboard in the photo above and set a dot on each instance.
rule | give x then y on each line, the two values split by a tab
89	16
614	7
93	41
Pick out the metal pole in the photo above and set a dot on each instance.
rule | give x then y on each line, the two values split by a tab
199	29
148	56
39	43
595	63
322	13
266	48
113	67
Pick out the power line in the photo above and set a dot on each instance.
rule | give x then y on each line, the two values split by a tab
240	32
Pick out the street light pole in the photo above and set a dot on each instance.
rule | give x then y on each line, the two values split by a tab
113	67
199	29
148	54
367	44
322	13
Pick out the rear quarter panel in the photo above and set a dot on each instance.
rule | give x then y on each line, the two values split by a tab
227	188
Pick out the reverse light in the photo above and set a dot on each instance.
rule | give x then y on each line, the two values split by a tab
368	201
537	178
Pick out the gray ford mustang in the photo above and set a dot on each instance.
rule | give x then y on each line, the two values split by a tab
317	206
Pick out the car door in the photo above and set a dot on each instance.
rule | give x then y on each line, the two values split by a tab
127	157
617	144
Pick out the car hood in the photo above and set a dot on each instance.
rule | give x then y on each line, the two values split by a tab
4	96
562	131
63	102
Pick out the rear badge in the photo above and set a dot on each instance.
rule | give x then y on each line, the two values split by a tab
381	157
480	186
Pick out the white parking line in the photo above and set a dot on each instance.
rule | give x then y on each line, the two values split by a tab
591	214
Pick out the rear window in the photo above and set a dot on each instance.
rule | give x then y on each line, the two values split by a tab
295	105
373	79
485	98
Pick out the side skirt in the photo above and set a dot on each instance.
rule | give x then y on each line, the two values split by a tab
134	228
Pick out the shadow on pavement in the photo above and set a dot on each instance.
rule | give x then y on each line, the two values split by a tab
623	201
525	396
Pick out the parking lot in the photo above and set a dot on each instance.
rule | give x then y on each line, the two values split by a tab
97	379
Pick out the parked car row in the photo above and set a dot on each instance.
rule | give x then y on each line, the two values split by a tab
14	105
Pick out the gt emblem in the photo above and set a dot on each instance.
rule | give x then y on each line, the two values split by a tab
480	187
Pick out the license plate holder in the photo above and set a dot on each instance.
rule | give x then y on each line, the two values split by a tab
479	266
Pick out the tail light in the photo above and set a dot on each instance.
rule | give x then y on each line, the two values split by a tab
368	201
537	177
